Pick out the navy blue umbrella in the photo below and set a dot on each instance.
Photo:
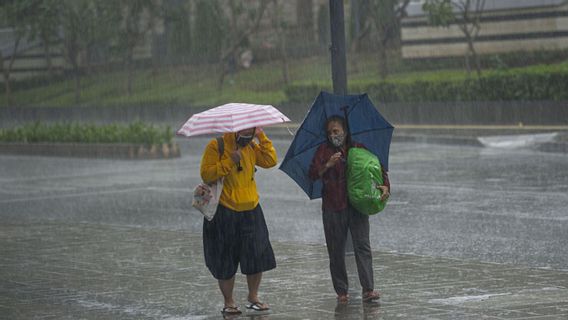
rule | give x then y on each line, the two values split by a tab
366	125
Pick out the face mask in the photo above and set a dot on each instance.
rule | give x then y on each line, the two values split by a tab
337	140
243	141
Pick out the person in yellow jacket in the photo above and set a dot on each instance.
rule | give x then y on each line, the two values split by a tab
237	234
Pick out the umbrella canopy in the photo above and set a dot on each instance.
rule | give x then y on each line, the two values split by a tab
366	126
231	117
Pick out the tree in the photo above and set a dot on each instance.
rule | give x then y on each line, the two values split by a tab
138	18
323	25
280	27
443	13
244	20
359	30
83	24
44	26
14	14
386	16
209	27
305	18
178	30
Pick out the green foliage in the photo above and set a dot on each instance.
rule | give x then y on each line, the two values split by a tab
133	24
197	85
501	61
137	133
439	12
538	83
209	30
323	24
178	30
16	14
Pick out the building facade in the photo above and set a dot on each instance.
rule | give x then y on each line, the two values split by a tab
506	26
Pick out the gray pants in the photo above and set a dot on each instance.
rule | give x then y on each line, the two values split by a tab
335	225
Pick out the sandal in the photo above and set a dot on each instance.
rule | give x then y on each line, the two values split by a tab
342	298
230	311
257	306
371	296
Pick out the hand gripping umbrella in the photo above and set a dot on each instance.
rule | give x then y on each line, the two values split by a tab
366	126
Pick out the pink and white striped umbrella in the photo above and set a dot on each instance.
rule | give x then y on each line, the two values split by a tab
231	117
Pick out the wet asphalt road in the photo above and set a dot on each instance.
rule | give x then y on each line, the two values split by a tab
466	202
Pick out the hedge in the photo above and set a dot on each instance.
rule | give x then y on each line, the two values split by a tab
137	133
518	85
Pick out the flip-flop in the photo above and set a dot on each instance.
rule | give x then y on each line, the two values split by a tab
229	311
343	298
371	296
257	306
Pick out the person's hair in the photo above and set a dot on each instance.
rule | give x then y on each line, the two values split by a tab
343	123
338	119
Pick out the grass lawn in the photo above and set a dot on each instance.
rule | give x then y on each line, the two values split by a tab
198	85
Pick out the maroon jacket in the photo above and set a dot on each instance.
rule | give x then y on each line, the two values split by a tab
334	193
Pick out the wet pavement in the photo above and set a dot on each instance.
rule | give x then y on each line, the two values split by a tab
470	232
87	271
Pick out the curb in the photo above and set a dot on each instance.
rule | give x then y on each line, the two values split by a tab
94	150
437	139
453	135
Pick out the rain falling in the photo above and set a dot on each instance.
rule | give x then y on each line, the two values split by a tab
117	118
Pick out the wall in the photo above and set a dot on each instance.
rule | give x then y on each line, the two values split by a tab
519	27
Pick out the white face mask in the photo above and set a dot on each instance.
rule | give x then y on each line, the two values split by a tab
337	140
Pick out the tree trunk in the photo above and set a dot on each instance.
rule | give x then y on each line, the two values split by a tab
7	87
222	73
356	47
386	17
284	58
305	16
129	75
475	57
6	72
47	53
77	84
281	34
383	61
227	54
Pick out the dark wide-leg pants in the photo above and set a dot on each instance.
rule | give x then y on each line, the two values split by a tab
237	238
336	224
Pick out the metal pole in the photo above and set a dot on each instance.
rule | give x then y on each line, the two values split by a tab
338	59
339	66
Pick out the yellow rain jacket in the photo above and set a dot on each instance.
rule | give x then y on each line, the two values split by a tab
239	187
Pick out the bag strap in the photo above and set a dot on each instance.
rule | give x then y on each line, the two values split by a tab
220	146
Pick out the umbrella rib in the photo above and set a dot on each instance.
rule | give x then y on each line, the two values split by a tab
349	110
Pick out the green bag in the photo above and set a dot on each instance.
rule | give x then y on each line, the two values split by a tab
364	174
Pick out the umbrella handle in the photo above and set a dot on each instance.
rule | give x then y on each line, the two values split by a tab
348	136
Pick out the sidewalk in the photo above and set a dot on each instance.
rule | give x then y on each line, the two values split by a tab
87	271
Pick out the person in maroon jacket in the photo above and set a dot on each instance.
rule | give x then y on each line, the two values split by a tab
329	165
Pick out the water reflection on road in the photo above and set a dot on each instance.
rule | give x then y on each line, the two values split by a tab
456	201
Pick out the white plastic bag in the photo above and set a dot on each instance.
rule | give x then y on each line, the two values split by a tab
206	198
